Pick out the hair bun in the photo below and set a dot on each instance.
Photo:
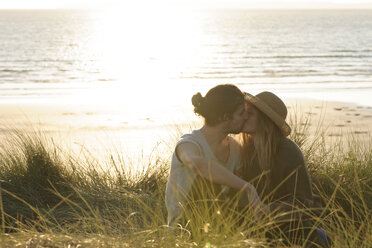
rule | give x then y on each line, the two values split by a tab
197	100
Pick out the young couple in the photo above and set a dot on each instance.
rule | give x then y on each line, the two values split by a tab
267	165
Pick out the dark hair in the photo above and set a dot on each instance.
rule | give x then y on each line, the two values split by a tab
220	100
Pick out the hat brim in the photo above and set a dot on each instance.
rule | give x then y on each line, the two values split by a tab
269	112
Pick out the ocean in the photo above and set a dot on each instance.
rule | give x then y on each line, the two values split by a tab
54	55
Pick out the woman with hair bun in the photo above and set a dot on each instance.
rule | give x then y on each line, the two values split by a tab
209	154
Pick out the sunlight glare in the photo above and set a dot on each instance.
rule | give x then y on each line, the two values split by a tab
139	47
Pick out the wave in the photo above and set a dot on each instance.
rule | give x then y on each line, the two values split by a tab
39	60
218	66
107	79
16	70
272	74
45	81
351	51
306	56
339	82
331	53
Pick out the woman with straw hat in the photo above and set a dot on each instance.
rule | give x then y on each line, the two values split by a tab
275	165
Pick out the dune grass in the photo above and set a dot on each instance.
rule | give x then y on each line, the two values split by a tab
51	198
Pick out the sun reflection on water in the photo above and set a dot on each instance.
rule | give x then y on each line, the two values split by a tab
142	50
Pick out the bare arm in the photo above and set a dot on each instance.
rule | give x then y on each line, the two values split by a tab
189	155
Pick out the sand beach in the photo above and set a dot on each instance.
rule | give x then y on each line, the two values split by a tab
338	120
98	129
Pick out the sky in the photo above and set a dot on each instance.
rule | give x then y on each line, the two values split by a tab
252	4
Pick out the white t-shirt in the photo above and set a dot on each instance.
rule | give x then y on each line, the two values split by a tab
181	177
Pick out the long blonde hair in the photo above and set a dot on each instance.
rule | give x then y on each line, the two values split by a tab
262	146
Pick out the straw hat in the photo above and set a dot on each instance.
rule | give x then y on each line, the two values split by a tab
273	107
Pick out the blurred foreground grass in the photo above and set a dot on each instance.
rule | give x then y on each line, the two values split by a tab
51	198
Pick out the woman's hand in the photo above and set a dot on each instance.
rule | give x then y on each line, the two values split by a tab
260	208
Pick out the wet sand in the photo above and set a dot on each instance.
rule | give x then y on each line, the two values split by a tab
338	120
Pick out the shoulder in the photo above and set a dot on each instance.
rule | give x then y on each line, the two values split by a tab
287	146
192	138
188	148
188	144
289	154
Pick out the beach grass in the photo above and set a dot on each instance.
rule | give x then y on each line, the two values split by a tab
50	197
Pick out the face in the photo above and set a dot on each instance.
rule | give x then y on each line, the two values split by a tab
235	124
250	125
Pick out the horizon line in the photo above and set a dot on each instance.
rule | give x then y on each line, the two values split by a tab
211	8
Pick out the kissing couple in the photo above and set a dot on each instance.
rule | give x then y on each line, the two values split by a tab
264	170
